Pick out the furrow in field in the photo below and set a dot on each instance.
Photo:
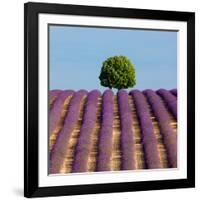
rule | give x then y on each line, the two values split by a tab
63	149
116	152
173	121
128	137
139	154
87	130
92	160
170	101
105	136
160	145
69	157
53	94
57	115
52	100
167	132
148	139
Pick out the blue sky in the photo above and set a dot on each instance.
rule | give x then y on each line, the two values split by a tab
76	55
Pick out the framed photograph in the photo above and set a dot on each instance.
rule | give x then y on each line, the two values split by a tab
109	99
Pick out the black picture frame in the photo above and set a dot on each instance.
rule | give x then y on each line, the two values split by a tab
31	12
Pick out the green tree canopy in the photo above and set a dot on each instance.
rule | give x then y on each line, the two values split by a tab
117	72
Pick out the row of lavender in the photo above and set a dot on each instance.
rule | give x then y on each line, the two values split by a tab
127	144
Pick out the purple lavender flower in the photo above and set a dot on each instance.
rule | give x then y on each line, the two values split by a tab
105	135
148	137
174	92
84	144
169	137
59	149
53	94
55	112
170	100
127	142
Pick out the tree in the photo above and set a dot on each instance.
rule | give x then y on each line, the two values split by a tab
117	72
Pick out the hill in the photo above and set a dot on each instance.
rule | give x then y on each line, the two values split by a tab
90	131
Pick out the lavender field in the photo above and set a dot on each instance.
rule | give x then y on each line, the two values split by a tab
93	132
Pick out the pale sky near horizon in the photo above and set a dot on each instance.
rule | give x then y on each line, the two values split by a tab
76	55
